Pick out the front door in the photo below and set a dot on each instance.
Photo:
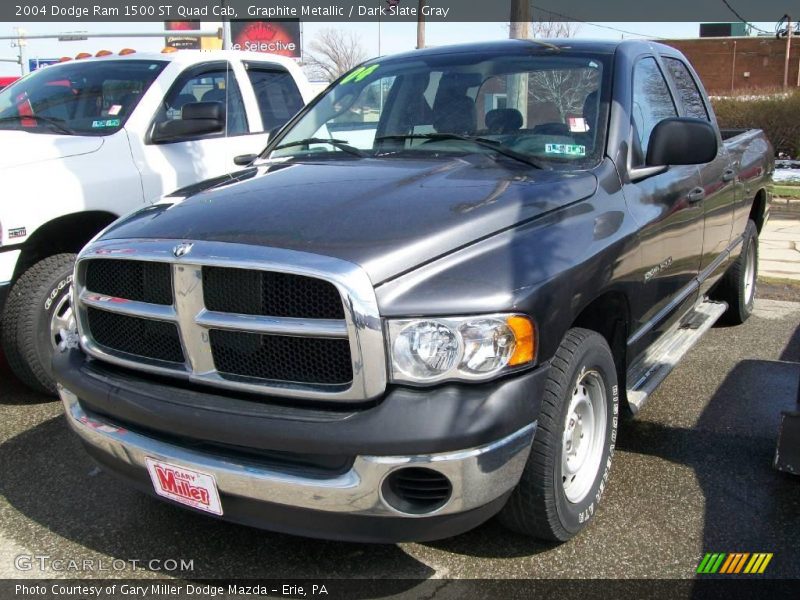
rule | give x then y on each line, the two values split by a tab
670	213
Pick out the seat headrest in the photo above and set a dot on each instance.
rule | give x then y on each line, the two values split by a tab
456	115
503	120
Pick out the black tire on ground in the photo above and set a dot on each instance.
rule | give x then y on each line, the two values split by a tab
27	318
733	288
539	505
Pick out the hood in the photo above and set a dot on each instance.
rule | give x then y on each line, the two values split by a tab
18	148
387	215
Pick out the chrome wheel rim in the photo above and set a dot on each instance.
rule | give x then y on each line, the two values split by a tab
750	274
584	436
62	322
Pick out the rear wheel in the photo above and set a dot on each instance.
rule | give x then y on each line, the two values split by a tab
568	467
738	286
37	318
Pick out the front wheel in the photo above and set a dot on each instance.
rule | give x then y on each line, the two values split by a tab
37	318
568	467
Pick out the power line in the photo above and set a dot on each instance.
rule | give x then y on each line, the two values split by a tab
609	27
742	19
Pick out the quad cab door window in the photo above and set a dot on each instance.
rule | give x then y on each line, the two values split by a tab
209	84
276	93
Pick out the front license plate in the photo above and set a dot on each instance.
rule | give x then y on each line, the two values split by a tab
192	488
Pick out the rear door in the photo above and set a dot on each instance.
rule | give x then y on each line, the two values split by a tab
717	179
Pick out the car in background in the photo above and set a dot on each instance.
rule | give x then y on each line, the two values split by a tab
86	141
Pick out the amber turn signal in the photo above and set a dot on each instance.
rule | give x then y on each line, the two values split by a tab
526	343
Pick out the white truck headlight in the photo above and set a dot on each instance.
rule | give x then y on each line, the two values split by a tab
459	348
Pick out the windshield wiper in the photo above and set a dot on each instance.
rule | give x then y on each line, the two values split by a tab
340	144
498	147
58	124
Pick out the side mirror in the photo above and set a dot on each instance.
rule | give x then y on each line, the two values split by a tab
197	118
244	159
681	141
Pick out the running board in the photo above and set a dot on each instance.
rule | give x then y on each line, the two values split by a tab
649	371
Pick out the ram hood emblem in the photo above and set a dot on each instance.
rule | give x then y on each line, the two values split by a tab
182	249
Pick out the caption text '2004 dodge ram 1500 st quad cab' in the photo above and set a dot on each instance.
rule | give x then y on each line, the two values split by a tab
429	300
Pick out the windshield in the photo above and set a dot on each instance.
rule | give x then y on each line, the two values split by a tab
81	98
547	110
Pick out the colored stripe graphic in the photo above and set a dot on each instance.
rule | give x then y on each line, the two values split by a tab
734	563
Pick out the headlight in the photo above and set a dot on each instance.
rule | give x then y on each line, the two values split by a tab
465	348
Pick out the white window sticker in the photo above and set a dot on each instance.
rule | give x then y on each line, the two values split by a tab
565	149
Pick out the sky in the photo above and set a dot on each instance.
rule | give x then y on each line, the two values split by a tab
386	38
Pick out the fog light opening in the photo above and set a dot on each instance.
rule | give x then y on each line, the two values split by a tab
416	490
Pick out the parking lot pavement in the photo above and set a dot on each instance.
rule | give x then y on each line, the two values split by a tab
692	474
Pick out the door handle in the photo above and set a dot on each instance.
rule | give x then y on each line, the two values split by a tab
696	195
728	175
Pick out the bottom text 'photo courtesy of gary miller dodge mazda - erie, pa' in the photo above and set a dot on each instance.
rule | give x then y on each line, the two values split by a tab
479	292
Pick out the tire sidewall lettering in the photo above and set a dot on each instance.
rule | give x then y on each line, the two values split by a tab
56	292
576	516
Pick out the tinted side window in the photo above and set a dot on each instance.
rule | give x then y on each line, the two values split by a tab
215	85
687	88
652	102
277	95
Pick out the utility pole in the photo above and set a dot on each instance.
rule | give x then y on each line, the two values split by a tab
421	26
20	43
788	51
517	85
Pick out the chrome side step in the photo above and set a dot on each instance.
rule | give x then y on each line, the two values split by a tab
659	360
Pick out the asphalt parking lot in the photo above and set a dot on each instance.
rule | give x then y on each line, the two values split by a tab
692	474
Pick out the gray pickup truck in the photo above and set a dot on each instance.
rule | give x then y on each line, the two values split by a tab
429	301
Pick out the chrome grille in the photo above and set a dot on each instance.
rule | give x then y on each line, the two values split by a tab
131	279
263	320
144	338
267	293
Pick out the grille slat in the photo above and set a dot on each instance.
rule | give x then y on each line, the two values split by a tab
283	358
146	338
267	293
130	279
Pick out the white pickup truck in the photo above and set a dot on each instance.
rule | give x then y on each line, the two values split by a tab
86	141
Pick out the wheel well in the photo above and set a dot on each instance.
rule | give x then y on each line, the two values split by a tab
759	209
68	234
609	315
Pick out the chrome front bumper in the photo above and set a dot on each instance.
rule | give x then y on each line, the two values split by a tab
478	475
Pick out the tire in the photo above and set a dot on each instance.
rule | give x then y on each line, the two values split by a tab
554	500
38	296
738	285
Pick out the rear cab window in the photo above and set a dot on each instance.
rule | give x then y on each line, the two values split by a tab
689	93
276	92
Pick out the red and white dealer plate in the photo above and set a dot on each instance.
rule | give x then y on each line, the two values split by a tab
192	488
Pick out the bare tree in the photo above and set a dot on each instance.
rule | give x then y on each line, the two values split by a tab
566	88
332	53
547	27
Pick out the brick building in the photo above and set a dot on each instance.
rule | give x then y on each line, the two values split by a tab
740	63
